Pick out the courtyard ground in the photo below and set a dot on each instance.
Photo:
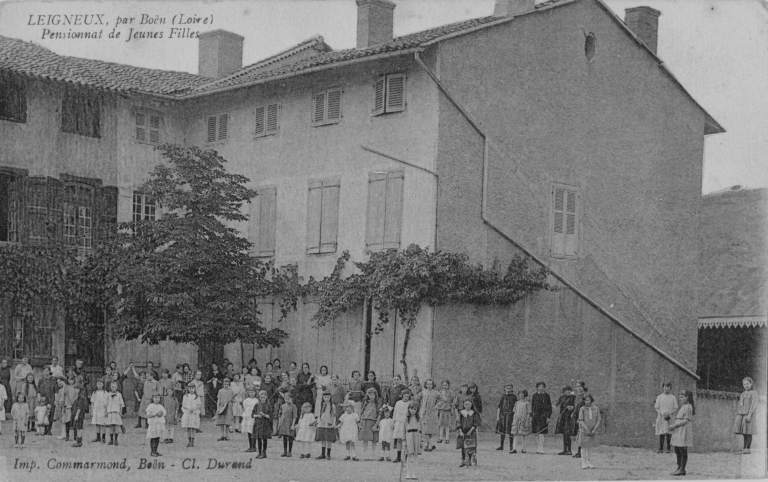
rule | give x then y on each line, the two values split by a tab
38	461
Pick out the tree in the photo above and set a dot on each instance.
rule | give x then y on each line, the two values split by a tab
187	276
402	281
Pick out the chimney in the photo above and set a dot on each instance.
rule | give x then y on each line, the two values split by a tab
511	8
644	22
374	22
219	53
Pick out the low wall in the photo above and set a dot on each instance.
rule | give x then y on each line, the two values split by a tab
713	423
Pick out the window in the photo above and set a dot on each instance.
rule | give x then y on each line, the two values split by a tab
589	46
323	216
326	107
32	337
10	189
565	222
43	210
267	119
13	98
81	112
385	210
389	94
262	221
143	207
218	127
78	218
147	127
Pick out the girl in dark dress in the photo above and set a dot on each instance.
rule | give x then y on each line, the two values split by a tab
504	414
477	402
371	383
541	406
566	402
213	385
304	382
262	424
5	380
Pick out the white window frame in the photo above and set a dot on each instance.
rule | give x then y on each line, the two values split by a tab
261	115
219	136
146	126
143	202
325	119
382	87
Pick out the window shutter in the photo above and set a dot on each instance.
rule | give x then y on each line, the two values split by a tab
108	208
37	209
313	216
141	127
394	210
378	95
260	124
395	92
558	234
223	126
571	237
272	113
55	213
211	128
154	129
334	105
254	223
329	217
268	219
318	111
377	199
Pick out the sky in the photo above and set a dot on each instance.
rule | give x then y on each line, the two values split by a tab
718	49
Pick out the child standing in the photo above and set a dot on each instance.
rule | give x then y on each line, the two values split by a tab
224	417
369	416
666	406
326	426
348	429
287	417
41	415
155	423
466	427
191	406
247	425
541	406
99	411
566	402
262	424
115	406
238	388
171	406
446	421
3	398
682	431
412	441
504	412
745	413
399	418
458	402
428	413
305	430
385	426
589	422
78	413
20	415
521	422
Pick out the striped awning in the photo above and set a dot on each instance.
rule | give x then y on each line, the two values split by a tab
733	321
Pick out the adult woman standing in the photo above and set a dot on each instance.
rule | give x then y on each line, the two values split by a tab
322	384
746	413
5	381
304	381
20	372
541	406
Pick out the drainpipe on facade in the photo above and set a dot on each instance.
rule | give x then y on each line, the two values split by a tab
528	252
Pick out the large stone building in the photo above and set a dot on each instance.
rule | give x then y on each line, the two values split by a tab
551	130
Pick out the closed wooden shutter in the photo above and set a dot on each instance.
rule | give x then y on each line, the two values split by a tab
54	229
558	230
394	210
272	115
254	223
395	92
377	201
329	217
334	105
108	208
267	221
314	205
211	129
261	127
141	127
318	108
154	129
571	238
37	209
223	126
378	95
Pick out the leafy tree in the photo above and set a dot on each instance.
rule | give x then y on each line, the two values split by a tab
187	276
400	282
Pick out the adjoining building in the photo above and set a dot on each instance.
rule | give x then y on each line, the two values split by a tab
551	130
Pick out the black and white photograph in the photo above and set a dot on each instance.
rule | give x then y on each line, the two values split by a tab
383	240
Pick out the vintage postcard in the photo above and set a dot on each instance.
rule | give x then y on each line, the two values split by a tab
377	240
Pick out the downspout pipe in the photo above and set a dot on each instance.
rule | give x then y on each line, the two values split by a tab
528	252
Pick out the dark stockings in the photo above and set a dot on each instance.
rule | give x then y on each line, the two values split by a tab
668	437
566	442
682	458
153	444
262	443
68	426
747	441
287	443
